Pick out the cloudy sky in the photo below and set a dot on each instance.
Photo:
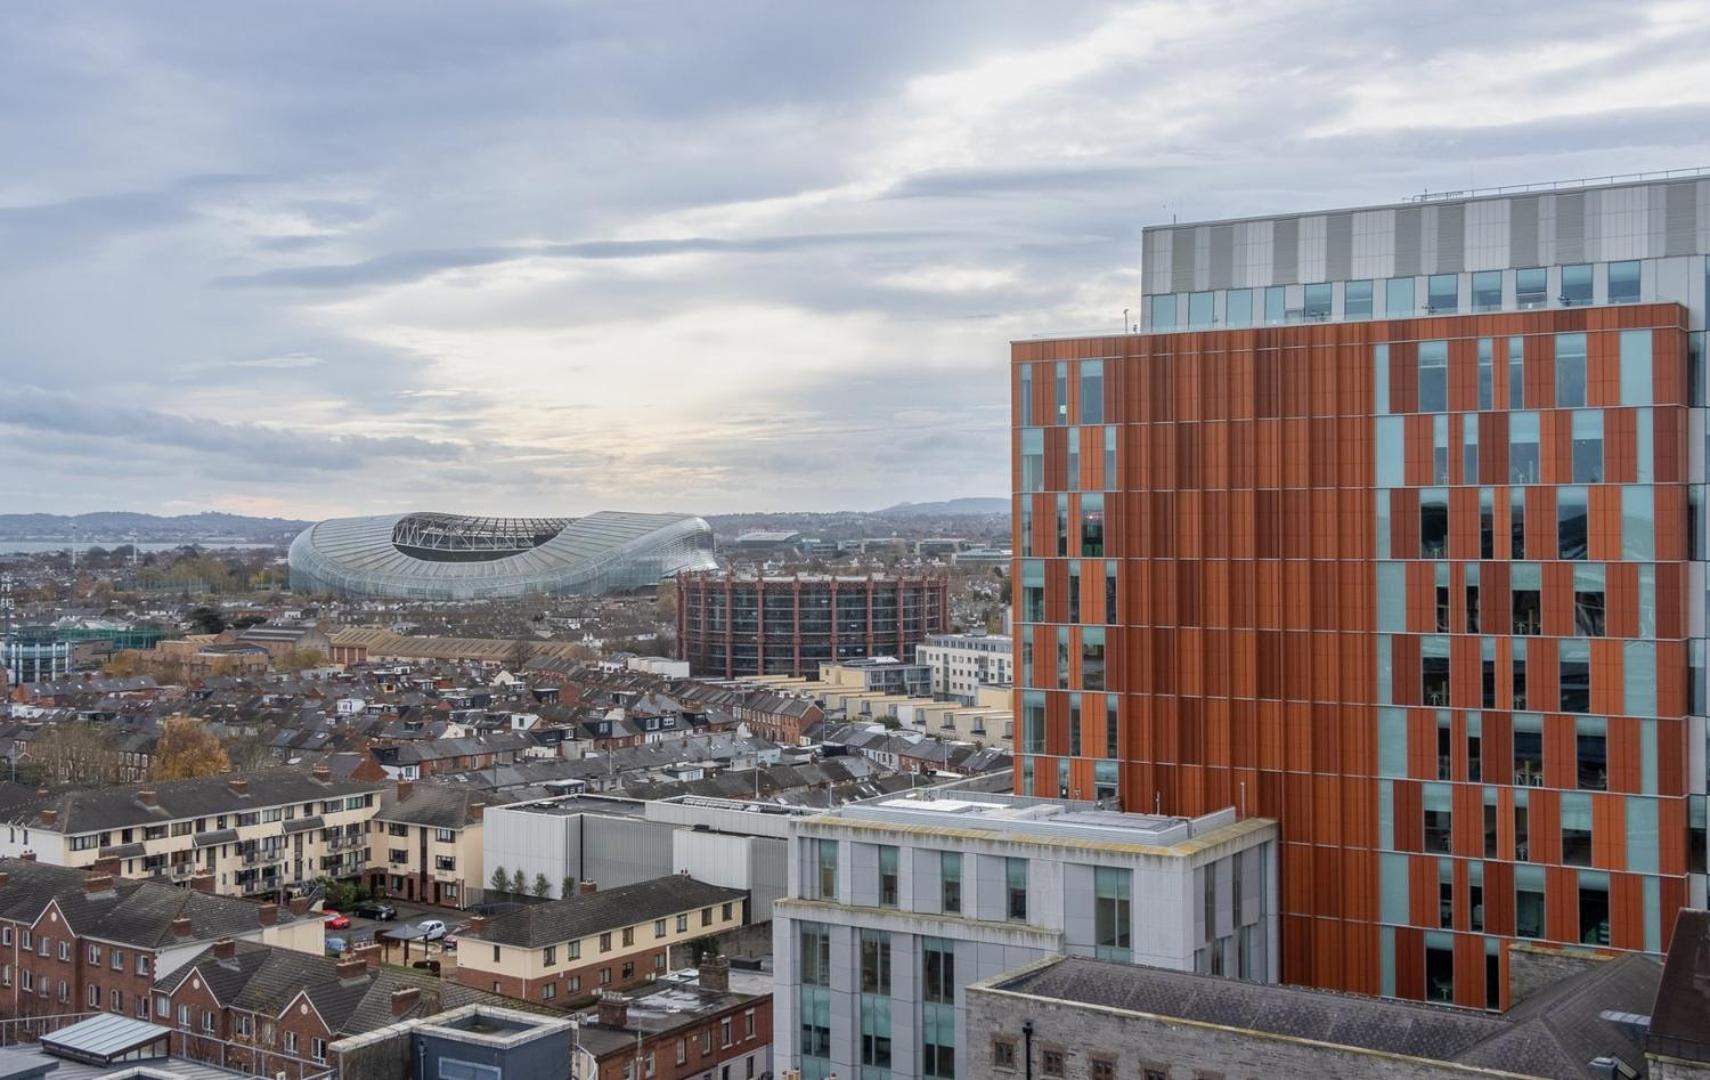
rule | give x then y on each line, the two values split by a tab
315	258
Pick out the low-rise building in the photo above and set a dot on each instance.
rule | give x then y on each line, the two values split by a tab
962	663
563	951
689	1025
425	844
73	940
896	905
235	835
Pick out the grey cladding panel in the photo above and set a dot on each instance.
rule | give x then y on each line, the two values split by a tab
1408	226
1570	228
1285	251
1523	231
1222	257
1451	238
1338	246
1181	261
1680	221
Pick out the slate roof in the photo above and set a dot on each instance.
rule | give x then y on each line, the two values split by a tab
135	913
117	807
265	979
1553	1033
537	925
1680	1018
437	806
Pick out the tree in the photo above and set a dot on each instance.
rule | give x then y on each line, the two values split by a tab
206	620
73	754
519	882
187	750
500	882
542	887
298	660
123	664
567	887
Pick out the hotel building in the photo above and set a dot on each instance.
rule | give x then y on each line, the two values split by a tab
1387	523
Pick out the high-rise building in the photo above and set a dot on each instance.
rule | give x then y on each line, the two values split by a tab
1388	524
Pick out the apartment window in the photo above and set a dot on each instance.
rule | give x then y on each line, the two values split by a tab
1164	312
1591	749
1593	908
1636	372
1576	828
208	1021
1051	1062
1571	522
706	918
94	996
1112	922
1525	584
682	923
65	950
1092	524
1032	459
1487	290
184	1017
1588	446
1570	371
875	962
95	955
1276	304
1528	736
1092	385
1588	591
1003	1053
658	928
1092	657
1434	670
629	935
1398	297
827	856
1532	287
1015	885
1486	379
1438	818
1624	282
950	881
116	1001
1433	523
549	955
1575	675
1469	449
1576	285
575	949
1061	386
1442	291
606	941
1523	447
318	1049
1101	1069
887	875
1357	300
1317	301
290	1042
1433	376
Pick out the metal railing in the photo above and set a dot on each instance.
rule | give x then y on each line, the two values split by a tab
1560	185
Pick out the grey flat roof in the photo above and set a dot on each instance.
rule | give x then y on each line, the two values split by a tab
101	1038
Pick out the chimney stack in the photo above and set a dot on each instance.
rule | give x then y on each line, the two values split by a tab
298	906
239	785
203	882
96	884
715	972
49	818
404	788
404	999
614	1010
477	811
269	914
4	878
147	797
587	888
350	967
225	949
321	773
108	865
181	926
368	952
477	923
28	856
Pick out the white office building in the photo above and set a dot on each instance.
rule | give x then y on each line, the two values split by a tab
962	663
894	906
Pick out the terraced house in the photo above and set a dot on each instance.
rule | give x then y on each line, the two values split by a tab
425	844
74	940
565	951
236	836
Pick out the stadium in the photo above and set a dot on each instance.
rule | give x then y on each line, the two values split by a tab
431	556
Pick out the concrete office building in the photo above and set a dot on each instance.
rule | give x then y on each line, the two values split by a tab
962	663
1389	523
895	906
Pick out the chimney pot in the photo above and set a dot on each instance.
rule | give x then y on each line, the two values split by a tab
369	953
96	884
321	772
350	967
181	927
269	914
28	856
239	785
225	949
404	999
588	888
147	797
614	1010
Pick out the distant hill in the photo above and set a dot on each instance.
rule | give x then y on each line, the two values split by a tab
949	508
119	524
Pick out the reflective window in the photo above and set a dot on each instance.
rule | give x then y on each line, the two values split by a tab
1525	590
1639	678
1276	304
1576	284
1638	524
1026	402
1238	308
1164	312
1469	449
1531	287
1588	446
1440	449
1061	388
1636	380
1092	524
1434	376
1487	290
1032	590
1112	921
1624	282
1199	310
1032	459
1523	447
1529	901
1392	597
1380	379
1516	372
1433	523
1391	464
1442	294
1576	828
1575	675
1092	392
1357	300
1570	523
1317	305
1486	374
1591	753
1588	603
1570	371
1398	297
1092	662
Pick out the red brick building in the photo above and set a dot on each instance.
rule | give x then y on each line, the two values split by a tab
688	1025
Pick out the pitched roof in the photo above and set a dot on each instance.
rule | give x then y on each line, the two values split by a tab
437	806
117	807
136	913
537	925
1681	1014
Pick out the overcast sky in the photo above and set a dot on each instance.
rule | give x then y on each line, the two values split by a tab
318	258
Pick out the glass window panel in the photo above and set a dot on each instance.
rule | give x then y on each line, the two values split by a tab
1624	282
1638	523
1575	675
1433	376
1392	742
1357	300
1382	500
1238	307
1641	835
1398	297
1588	446
1393	890
1442	290
1380	379
1199	310
1469	449
1392	597
1523	447
1317	301
1636	367
1487	290
1643	447
1032	459
1062	391
1276	304
1531	287
1092	392
1639	671
1486	373
1516	372
1433	523
1571	523
1576	284
1570	370
1391	464
1164	312
1440	449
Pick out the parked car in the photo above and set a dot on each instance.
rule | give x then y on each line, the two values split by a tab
338	920
432	929
449	941
374	909
336	945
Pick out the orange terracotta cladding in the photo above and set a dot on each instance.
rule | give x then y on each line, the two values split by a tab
1241	517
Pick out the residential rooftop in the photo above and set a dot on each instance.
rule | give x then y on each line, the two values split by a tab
538	925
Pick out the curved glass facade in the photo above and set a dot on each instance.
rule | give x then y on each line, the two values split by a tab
446	557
